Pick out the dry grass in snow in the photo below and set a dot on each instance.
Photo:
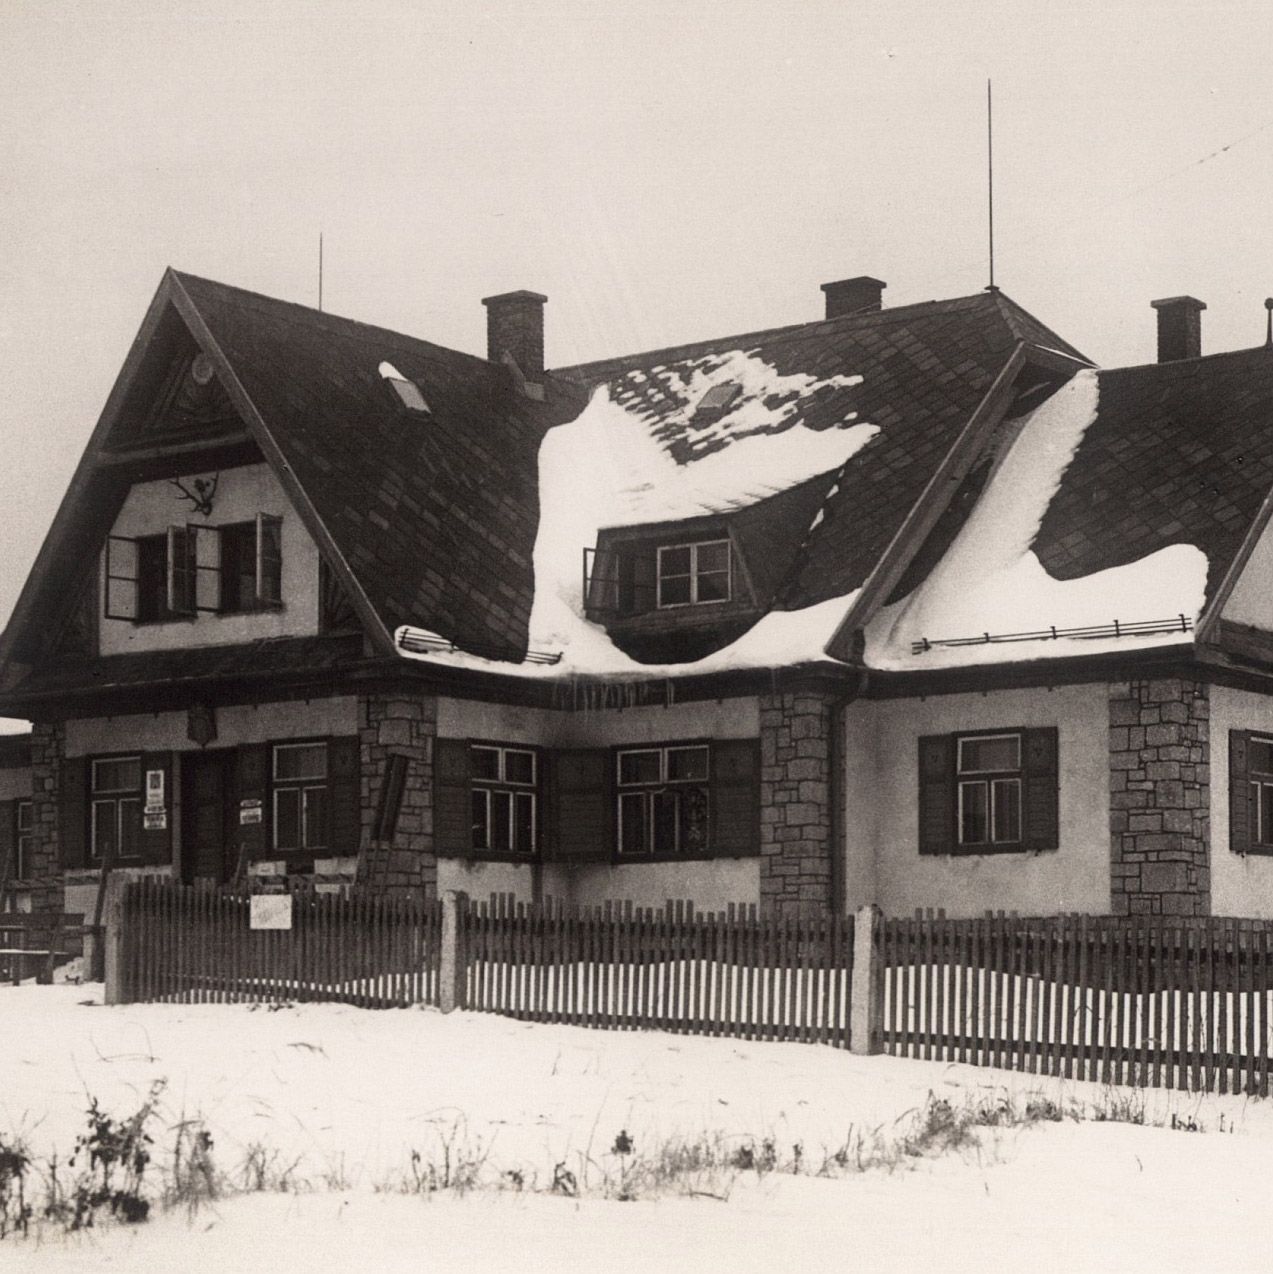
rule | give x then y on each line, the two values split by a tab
358	1127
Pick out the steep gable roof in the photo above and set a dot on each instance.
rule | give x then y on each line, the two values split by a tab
1179	453
428	515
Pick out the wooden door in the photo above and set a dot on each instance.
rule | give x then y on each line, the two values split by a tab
207	837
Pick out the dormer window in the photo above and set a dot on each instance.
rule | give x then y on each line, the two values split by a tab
716	402
693	574
407	390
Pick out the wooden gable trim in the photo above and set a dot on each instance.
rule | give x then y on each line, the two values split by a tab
242	401
1205	631
932	503
85	483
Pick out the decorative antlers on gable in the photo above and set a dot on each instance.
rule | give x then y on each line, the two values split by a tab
201	497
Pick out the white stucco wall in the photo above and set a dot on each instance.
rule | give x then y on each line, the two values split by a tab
151	507
1251	601
710	885
881	800
241	723
713	719
1241	885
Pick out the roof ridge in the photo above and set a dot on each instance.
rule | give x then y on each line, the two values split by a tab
1181	363
872	318
297	313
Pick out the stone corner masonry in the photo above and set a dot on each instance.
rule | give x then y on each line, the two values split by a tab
1160	798
795	800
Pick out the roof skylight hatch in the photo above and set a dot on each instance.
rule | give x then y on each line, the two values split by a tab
407	390
717	401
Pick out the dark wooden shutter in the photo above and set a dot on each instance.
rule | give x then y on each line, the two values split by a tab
1240	791
252	780
72	815
735	812
1042	829
936	793
344	793
583	822
156	844
452	798
389	802
8	841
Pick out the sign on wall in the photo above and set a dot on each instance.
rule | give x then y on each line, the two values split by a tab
271	911
154	791
155	820
249	811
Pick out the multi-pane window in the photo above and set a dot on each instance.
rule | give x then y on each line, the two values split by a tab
693	574
504	784
24	821
195	568
663	806
300	796
1260	775
989	779
116	805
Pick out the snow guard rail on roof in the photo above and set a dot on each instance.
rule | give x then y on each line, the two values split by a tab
1137	628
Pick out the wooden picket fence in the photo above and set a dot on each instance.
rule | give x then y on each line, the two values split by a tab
672	969
1138	1001
195	945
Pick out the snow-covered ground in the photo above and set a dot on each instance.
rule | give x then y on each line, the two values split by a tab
346	1095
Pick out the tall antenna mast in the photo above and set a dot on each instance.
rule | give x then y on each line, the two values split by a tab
990	181
320	270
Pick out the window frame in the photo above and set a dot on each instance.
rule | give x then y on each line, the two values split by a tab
649	790
694	573
989	780
500	786
304	784
1258	781
115	797
21	834
194	565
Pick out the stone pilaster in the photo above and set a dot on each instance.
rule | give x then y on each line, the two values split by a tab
795	801
1160	798
404	725
44	870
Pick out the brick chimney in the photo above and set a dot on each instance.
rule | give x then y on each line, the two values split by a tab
515	325
852	296
1179	327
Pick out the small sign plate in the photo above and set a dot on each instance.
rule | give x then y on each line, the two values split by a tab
249	814
155	820
271	911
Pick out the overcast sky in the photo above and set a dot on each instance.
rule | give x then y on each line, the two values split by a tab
663	171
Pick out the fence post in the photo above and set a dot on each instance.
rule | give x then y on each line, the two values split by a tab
111	934
866	1003
453	963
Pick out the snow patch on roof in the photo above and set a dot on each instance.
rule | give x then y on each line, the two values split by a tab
766	399
607	469
990	582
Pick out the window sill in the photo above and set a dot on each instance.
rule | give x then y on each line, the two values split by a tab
992	851
1256	851
702	856
488	856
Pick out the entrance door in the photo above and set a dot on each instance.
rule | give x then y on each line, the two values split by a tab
207	838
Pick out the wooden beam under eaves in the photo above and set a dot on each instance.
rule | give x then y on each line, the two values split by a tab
932	503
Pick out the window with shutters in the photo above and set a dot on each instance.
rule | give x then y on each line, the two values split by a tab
663	804
115	808
195	569
24	830
504	798
994	791
1250	792
299	796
